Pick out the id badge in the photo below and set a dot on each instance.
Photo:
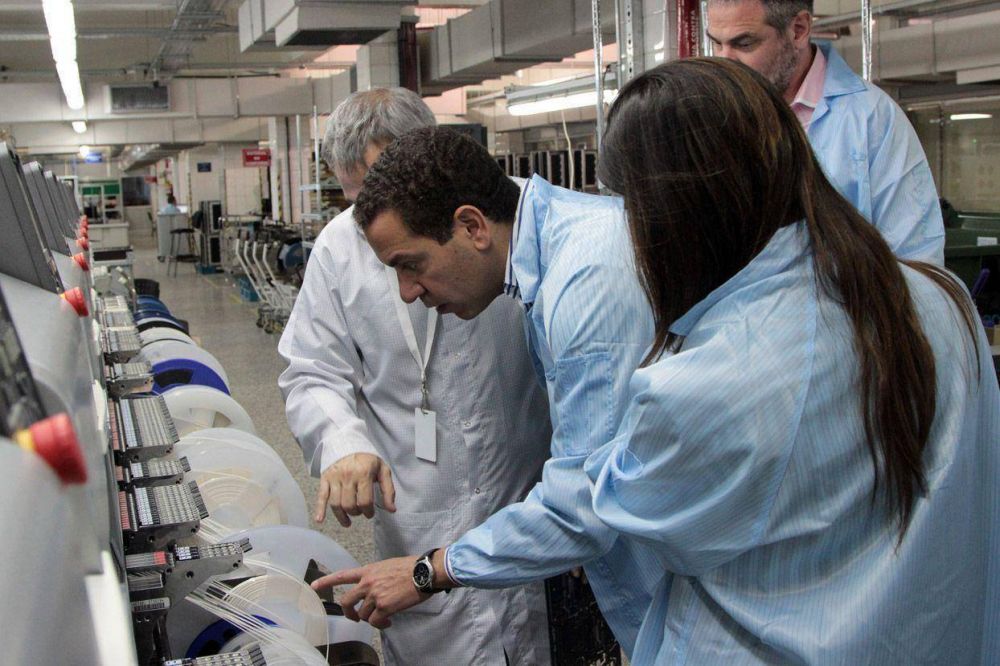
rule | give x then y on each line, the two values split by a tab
426	434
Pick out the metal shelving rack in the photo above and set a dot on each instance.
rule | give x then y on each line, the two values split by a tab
311	223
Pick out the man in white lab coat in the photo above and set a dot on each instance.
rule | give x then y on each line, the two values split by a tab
442	419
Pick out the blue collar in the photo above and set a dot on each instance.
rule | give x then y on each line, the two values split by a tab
840	80
784	249
510	286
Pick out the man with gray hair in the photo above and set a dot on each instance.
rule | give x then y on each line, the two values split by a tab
444	419
860	136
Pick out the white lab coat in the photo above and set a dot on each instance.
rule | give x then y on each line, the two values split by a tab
352	385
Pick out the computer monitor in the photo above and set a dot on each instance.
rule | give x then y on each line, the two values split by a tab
45	208
26	255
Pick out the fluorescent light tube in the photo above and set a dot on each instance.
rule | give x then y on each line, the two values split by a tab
63	50
69	77
62	29
559	102
970	116
79	126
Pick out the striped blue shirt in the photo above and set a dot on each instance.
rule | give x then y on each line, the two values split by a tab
588	327
741	460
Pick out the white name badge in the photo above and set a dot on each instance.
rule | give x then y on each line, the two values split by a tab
425	434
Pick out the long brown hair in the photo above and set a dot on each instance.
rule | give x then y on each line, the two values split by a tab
711	162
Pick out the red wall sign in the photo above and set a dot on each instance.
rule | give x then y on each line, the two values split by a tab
256	157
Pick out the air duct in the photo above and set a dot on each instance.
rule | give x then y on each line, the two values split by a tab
504	36
306	24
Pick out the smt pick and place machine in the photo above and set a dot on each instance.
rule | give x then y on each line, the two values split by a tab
144	521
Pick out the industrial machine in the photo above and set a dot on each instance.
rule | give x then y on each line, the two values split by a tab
129	536
208	231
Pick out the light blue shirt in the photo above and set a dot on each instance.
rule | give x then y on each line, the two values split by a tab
741	460
588	326
871	154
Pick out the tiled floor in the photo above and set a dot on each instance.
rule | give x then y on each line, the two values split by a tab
225	327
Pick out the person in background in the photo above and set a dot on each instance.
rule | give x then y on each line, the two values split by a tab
811	442
864	142
564	257
364	373
171	207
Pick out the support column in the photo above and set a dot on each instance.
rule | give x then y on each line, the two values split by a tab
281	182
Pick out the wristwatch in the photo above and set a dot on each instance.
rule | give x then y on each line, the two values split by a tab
423	574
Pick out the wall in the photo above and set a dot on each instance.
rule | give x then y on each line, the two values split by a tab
964	155
228	181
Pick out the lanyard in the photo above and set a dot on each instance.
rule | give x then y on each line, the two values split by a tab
411	337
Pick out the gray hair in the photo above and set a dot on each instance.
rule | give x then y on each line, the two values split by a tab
369	117
778	13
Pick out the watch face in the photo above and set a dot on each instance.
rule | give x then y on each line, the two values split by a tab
422	575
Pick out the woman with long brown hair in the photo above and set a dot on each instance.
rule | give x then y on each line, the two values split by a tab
812	441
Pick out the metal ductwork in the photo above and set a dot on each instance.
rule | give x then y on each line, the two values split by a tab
962	46
253	35
139	157
320	24
504	36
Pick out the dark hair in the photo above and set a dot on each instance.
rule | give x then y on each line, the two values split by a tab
427	174
171	199
712	162
778	13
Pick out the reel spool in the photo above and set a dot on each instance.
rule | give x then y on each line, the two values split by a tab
147	321
151	304
305	552
230	436
180	364
173	350
243	488
278	608
194	407
158	333
272	610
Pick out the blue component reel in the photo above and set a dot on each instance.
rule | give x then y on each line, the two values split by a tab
151	304
215	635
292	255
147	320
175	372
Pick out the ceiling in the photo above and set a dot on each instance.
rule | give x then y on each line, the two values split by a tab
129	40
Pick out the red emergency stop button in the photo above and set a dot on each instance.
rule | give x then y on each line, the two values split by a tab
54	440
75	298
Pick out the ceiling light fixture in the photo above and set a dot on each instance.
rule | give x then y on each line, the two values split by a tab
62	38
970	116
570	94
79	126
84	150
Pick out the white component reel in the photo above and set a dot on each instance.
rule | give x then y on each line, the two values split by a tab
243	488
290	548
230	436
195	407
157	333
166	350
284	647
284	616
289	603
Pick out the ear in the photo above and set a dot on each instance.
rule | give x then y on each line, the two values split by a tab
472	224
801	28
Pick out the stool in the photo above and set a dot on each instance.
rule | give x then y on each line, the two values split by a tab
175	247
